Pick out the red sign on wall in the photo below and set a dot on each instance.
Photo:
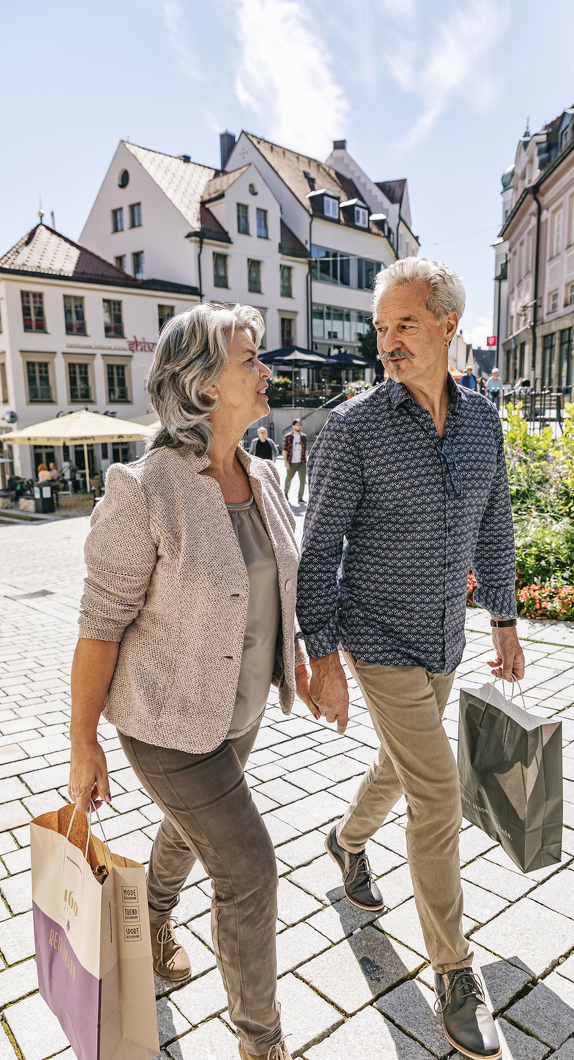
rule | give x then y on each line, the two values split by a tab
491	340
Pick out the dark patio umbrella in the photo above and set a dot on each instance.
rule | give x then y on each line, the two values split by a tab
293	355
346	359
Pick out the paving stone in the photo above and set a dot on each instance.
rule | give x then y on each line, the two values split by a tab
302	759
39	804
547	1011
498	856
557	893
566	1051
126	779
17	861
12	788
302	850
212	1041
566	968
28	765
13	815
268	737
313	811
18	981
383	860
481	905
280	791
201	998
304	1016
309	781
260	758
43	779
6	1049
403	924
35	1028
368	1034
136	846
263	803
396	886
295	747
151	811
339	767
501	980
519	1046
358	969
192	902
265	773
528	934
17	891
278	829
297	945
7	844
170	1021
294	904
201	926
509	885
321	878
472	843
411	1006
362	754
393	837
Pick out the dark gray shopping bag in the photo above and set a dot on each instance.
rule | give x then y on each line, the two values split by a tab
510	766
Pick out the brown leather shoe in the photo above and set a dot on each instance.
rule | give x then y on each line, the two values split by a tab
170	960
276	1052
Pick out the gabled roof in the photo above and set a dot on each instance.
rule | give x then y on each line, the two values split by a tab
303	174
290	245
182	182
393	189
46	251
219	184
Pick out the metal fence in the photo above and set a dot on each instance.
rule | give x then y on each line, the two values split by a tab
541	408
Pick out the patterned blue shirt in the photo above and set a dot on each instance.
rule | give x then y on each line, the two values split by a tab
393	527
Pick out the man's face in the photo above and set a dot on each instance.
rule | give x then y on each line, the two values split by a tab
412	345
469	371
297	427
262	432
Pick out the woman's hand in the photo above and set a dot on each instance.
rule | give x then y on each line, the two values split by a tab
302	685
88	777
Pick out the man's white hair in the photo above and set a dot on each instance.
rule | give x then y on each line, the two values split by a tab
446	289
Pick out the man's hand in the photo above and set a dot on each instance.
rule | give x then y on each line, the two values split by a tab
509	662
286	460
329	690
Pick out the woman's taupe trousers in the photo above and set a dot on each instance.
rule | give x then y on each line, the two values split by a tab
406	704
209	814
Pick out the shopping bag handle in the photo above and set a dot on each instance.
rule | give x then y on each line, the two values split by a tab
93	807
514	684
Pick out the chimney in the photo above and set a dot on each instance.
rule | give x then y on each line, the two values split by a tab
185	158
339	145
226	145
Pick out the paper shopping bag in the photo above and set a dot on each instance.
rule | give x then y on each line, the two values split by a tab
510	767
93	946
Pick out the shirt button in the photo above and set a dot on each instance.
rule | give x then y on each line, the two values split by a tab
288	585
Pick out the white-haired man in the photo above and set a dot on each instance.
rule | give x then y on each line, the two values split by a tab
408	489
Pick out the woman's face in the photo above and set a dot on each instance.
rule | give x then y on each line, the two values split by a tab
242	385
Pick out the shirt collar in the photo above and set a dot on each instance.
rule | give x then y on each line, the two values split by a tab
398	393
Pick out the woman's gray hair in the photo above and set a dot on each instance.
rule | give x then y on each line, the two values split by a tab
189	358
446	289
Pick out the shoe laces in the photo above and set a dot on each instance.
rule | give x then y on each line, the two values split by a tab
359	864
166	934
279	1050
468	984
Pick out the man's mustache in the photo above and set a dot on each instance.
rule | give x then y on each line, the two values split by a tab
396	353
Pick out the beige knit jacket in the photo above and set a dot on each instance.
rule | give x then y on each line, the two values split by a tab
166	579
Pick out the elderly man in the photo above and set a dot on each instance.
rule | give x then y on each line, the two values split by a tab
469	379
263	446
295	457
408	489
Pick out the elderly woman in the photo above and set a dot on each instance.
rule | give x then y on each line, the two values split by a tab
188	616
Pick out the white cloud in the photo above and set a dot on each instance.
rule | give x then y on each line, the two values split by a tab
447	62
285	76
174	18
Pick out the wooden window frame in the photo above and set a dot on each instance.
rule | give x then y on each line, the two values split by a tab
80	358
37	357
109	358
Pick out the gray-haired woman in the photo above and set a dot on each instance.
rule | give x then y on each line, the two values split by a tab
187	617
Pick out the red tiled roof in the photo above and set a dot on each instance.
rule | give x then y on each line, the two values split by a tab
47	251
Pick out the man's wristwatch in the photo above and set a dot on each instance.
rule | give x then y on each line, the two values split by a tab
502	623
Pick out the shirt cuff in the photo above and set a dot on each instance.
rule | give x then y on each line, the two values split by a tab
99	629
323	642
499	602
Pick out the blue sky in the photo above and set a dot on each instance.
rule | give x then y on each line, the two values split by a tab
438	92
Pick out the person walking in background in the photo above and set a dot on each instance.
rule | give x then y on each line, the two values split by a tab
264	447
494	385
181	635
468	378
43	473
295	457
410	477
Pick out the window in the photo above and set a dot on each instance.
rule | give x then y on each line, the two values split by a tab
262	229
74	315
522	360
565	358
286	274
553	302
33	311
366	273
118	220
120	262
347	325
3	383
330	207
242	219
136	215
116	375
79	380
361	217
220	270
329	266
124	179
113	322
138	265
571	294
286	331
164	313
254	276
548	351
39	386
557	239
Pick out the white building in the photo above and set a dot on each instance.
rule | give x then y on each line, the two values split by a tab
75	332
298	238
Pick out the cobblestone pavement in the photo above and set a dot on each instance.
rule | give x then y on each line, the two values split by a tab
351	984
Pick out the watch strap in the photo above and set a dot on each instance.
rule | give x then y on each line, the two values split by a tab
502	623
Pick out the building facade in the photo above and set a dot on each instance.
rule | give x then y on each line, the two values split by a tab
75	332
299	239
536	288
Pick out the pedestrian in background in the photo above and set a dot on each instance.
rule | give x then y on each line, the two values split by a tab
494	385
181	635
43	473
468	379
264	447
408	490
295	457
54	473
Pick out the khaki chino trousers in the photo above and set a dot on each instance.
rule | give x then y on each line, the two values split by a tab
406	704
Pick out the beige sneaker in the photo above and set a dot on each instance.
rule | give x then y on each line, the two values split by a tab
276	1052
170	960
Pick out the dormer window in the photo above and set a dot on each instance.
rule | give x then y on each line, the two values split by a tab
330	207
361	217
